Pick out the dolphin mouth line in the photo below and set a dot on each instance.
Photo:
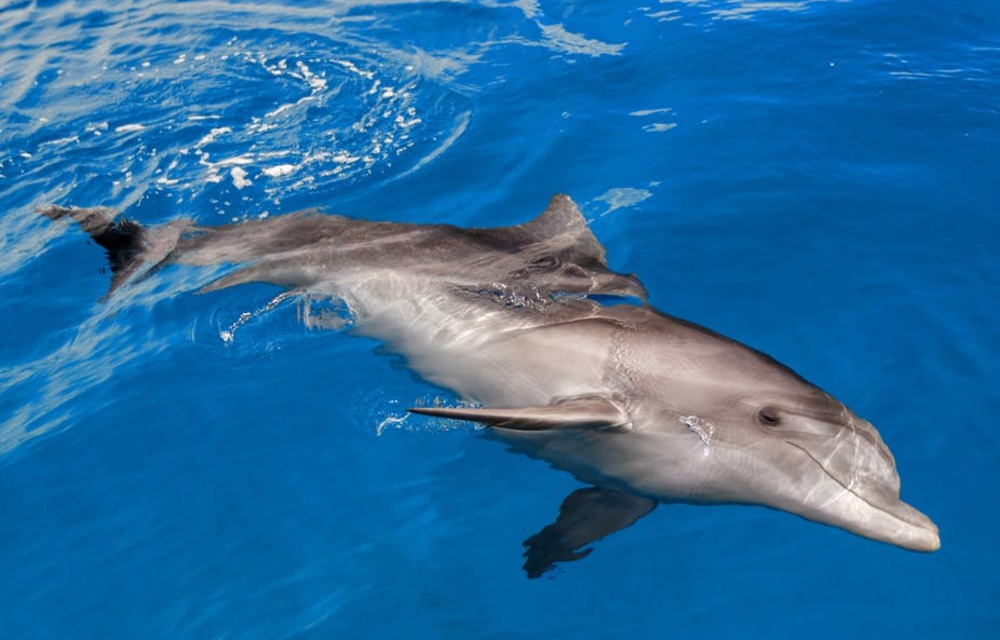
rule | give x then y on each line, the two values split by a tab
849	490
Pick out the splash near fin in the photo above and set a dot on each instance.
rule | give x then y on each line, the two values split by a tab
576	412
131	248
586	516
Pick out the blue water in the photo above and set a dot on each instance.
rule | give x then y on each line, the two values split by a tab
818	179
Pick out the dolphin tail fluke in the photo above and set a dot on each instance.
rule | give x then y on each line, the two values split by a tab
131	248
586	516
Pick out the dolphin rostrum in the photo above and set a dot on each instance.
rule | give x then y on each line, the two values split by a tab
565	361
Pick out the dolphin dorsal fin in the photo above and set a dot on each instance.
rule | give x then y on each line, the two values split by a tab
592	411
562	224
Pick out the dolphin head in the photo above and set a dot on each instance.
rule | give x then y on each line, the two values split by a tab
806	453
758	433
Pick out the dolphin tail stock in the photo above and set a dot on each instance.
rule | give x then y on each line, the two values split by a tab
132	249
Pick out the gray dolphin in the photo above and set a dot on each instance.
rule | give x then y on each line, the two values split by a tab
564	360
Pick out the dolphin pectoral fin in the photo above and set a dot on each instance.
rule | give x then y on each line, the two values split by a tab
586	516
576	412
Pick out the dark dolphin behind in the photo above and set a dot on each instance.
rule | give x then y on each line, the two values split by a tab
642	407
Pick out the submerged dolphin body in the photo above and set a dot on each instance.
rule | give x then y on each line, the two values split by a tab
643	407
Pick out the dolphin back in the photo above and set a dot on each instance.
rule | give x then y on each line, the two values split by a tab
551	255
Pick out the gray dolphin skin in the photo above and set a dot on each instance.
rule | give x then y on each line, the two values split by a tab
563	360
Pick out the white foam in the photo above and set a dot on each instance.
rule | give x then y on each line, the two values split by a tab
316	82
350	66
212	135
280	170
557	37
60	142
239	176
648	112
96	128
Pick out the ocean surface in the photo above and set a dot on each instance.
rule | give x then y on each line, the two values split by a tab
818	179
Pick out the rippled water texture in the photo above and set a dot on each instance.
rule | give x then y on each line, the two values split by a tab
816	178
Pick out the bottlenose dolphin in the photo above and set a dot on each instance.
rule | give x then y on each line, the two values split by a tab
564	360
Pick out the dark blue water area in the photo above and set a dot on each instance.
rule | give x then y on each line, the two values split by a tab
818	179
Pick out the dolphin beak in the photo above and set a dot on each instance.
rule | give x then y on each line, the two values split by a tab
911	530
870	510
892	522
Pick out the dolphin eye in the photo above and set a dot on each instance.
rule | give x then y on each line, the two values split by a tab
769	417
